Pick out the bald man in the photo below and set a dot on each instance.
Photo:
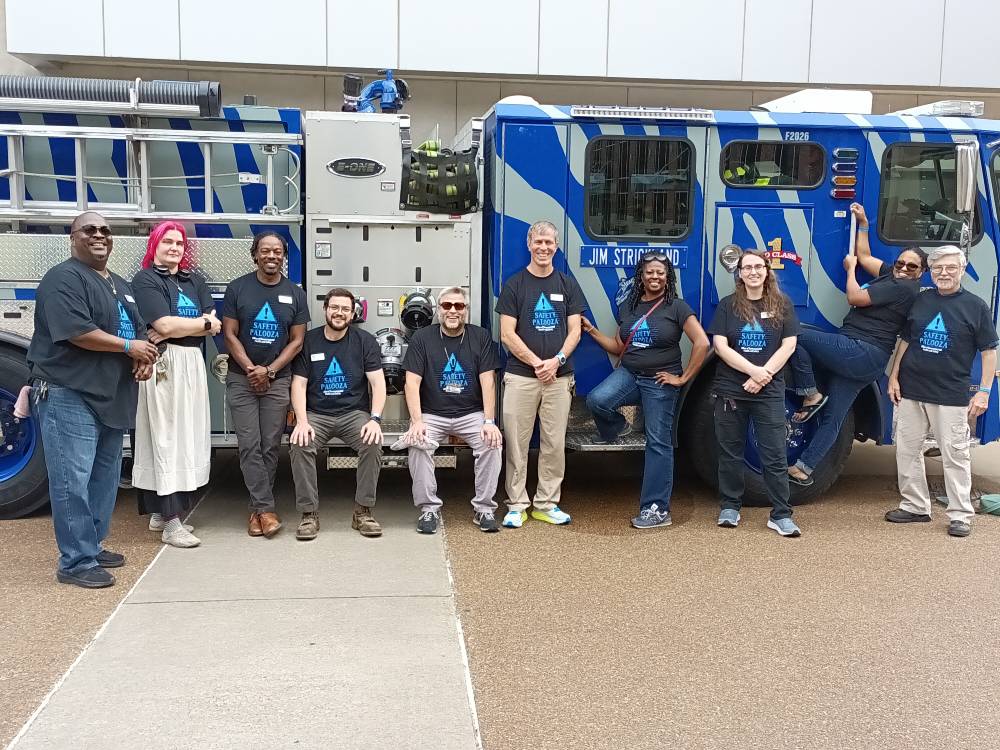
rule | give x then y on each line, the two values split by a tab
85	362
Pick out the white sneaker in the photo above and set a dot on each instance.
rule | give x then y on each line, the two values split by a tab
180	538
156	523
514	519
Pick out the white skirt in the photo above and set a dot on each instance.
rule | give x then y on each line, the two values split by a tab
172	450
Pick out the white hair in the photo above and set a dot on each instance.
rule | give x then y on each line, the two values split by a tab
540	227
946	251
454	290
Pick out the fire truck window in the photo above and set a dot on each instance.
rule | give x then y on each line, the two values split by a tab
638	187
768	164
917	196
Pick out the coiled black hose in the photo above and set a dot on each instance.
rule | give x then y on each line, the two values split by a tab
206	95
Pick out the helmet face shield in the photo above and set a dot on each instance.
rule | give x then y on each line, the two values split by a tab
392	346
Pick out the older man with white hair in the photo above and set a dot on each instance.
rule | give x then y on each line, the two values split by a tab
930	385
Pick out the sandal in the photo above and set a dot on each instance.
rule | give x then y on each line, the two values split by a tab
799	481
809	412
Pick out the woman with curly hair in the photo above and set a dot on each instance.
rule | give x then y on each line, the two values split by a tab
647	341
754	333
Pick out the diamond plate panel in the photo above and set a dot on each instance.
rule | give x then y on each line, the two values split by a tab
17	316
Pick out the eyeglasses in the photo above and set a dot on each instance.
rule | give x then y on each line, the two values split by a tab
459	306
91	229
945	269
340	308
755	268
902	265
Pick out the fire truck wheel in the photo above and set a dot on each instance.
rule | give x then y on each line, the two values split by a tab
23	479
824	475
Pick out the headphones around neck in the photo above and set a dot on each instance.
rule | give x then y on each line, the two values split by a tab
182	273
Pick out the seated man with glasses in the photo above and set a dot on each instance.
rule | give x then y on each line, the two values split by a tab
858	353
451	392
929	384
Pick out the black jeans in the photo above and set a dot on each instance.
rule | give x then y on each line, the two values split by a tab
732	417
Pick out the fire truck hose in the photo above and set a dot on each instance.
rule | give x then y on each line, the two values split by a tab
206	95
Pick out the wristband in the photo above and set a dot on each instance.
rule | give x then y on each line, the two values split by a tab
127	345
862	229
982	389
490	422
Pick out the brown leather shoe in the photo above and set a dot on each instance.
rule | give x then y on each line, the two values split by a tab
270	524
364	522
308	527
254	528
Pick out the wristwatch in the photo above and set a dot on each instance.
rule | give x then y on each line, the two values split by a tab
271	374
561	358
489	421
376	418
208	323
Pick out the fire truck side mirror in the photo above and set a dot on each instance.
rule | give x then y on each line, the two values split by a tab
966	168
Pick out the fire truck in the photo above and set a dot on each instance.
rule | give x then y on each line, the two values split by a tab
364	204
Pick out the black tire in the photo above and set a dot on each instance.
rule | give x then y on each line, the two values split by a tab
26	491
707	461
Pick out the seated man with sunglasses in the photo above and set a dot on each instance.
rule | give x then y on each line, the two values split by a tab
859	352
451	392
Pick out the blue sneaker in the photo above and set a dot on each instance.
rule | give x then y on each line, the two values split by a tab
784	526
651	517
553	516
729	518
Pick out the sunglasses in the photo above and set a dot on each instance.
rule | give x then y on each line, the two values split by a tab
901	265
654	256
91	229
459	306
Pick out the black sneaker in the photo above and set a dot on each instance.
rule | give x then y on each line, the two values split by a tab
91	578
486	521
108	559
898	515
959	528
428	522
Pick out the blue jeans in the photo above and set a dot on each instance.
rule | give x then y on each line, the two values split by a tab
851	365
83	458
622	388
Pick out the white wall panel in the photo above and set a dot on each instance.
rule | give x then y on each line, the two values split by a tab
362	34
573	37
895	42
971	56
675	39
55	27
776	40
142	30
462	36
254	32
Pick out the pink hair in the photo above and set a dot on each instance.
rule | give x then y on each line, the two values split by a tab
156	236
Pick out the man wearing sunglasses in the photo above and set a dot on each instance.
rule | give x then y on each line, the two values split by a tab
85	362
451	392
929	384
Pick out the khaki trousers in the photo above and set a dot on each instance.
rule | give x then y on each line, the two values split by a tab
524	399
949	424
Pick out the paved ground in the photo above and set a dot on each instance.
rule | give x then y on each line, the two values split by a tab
587	636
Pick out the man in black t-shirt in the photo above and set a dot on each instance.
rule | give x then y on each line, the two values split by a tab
264	322
930	385
330	381
85	361
540	311
451	392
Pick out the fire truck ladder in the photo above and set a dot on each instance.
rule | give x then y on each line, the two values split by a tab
139	179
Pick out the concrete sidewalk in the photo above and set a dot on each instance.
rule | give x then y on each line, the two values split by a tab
341	642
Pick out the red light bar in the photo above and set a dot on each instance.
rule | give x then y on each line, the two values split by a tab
843	193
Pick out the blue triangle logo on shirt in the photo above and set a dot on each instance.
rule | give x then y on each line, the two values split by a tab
453	367
935	338
643	325
126	330
753	326
334	368
543	304
184	301
266	315
937	324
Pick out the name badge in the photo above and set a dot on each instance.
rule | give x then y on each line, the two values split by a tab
317	357
452	388
286	298
556	297
765	314
129	298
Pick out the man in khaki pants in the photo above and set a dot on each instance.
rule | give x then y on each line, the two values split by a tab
540	311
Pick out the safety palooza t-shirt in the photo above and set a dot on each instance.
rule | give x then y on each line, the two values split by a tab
756	341
180	295
450	367
881	322
265	314
655	343
541	306
335	370
73	299
944	332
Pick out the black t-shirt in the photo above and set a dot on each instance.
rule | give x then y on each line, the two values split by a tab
944	332
335	370
73	299
756	341
450	367
541	306
881	322
655	345
265	313
160	296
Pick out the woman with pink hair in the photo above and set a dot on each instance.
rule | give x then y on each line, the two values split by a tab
172	430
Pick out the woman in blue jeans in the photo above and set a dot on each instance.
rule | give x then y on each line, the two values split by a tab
858	353
650	323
